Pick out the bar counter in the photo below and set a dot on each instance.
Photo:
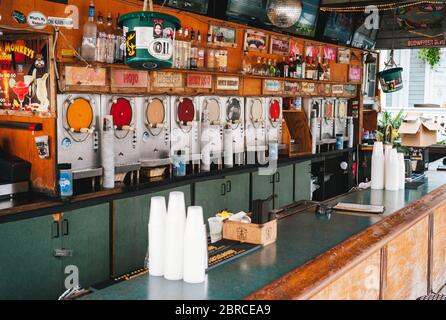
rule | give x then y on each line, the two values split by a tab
397	255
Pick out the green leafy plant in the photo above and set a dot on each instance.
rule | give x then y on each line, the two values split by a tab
394	124
431	56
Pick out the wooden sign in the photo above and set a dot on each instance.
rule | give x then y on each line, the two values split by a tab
255	41
279	45
308	87
416	43
167	80
337	89
351	89
199	81
121	78
84	76
272	86
228	83
291	87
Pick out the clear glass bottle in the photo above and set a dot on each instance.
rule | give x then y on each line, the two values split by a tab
276	67
264	69
101	40
271	68
222	60
110	43
247	67
257	69
88	48
210	59
298	67
193	51
201	52
119	42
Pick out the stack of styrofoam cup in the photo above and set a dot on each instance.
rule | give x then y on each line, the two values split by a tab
157	221
392	171
378	167
402	171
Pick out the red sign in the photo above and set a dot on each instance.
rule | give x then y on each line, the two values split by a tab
199	81
129	78
440	42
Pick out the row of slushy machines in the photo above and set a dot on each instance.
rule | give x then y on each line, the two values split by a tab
148	131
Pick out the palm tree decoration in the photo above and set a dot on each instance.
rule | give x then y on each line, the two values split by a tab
388	127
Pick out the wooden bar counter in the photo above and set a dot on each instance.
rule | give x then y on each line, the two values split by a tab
398	255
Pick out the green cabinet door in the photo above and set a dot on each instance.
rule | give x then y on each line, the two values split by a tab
130	218
211	195
28	269
86	232
237	193
302	181
262	187
283	186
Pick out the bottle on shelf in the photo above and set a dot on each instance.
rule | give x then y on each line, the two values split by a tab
210	59
119	42
264	68
276	69
310	69
247	67
88	48
222	60
257	68
110	41
201	52
271	69
193	51
101	40
298	67
209	37
292	67
283	68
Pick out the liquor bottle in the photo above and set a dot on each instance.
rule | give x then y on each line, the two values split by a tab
209	37
247	67
271	69
309	70
88	50
292	67
264	68
298	66
276	69
119	42
210	59
101	40
222	60
320	71
193	51
257	69
284	68
201	52
110	41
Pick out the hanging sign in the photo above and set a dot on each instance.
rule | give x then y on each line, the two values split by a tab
37	20
199	81
129	78
228	83
414	43
167	80
60	22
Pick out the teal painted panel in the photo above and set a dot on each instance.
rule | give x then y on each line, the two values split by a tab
88	236
211	196
283	186
302	184
28	269
262	187
131	217
237	199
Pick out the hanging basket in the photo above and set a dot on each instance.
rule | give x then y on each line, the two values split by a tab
149	39
391	79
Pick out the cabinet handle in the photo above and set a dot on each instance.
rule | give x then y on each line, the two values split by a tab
55	230
65	227
62	253
223	189
228	186
277	176
271	179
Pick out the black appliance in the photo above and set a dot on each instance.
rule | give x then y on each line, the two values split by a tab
197	6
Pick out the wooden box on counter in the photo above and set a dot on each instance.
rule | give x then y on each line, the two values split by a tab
263	234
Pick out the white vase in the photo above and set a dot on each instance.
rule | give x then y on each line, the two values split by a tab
174	237
392	171
378	169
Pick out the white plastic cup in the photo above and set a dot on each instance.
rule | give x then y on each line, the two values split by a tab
157	222
215	229
378	167
174	237
194	247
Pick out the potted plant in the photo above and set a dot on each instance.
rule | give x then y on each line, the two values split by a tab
431	56
388	127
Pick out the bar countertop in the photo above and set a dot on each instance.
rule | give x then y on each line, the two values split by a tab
302	238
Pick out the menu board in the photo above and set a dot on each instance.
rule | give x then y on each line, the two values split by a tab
24	75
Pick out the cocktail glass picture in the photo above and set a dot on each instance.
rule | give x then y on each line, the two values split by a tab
21	89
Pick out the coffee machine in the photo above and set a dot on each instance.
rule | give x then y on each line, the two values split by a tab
328	121
124	110
235	121
313	111
185	129
341	118
154	131
78	134
255	119
212	120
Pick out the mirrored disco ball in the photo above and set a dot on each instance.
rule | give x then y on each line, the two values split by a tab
284	13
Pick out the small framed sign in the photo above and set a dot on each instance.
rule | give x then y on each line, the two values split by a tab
167	80
228	83
279	45
226	37
308	87
123	78
337	89
354	73
83	76
272	86
344	56
255	41
351	89
291	87
330	53
199	81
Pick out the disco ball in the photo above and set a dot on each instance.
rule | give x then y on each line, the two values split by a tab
284	13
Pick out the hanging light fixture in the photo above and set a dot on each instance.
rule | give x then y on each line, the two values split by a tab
284	13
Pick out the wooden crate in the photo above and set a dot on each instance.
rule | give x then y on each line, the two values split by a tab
263	234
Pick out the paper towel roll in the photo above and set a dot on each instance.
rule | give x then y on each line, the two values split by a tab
228	148
378	163
157	221
174	237
107	153
392	171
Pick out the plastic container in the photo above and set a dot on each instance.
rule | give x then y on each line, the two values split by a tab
65	180
339	142
179	164
149	39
